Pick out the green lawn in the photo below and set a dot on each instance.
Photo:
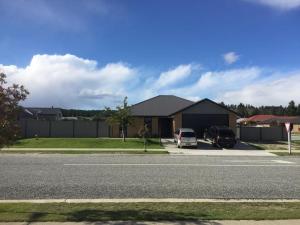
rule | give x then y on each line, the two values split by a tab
63	212
108	143
286	153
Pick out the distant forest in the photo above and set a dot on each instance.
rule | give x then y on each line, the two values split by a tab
249	110
244	110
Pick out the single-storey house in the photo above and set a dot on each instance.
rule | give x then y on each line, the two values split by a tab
270	120
51	114
165	113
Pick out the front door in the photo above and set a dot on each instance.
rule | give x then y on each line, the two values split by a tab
165	126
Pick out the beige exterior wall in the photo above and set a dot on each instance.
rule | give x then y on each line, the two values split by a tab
177	121
133	129
232	121
115	131
138	123
296	128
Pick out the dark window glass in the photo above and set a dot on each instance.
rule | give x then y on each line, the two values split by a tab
188	134
226	133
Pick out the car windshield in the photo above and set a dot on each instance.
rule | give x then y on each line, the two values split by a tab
226	133
188	134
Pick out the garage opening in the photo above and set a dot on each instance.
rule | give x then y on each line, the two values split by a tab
200	122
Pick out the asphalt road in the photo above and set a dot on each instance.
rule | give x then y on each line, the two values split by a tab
147	176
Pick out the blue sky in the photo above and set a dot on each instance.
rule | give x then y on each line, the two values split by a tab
92	53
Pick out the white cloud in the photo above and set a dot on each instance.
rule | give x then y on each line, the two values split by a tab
70	81
278	4
230	57
275	90
212	83
173	76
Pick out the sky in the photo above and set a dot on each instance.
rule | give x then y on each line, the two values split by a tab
88	54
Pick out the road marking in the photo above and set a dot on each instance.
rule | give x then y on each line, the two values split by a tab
283	162
137	200
176	164
261	161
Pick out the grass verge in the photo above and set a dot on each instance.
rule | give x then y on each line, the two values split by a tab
63	212
275	145
130	143
286	153
83	152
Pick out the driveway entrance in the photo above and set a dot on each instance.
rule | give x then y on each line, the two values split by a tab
206	149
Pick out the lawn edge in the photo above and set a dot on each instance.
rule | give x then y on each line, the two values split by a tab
71	212
129	152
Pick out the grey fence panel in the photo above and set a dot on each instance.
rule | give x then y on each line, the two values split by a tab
61	128
103	129
30	128
276	133
272	133
37	127
22	125
85	129
250	133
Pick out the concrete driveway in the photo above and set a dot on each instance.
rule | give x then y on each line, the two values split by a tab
205	148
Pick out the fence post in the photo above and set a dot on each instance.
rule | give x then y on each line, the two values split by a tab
50	128
26	128
260	134
97	128
73	128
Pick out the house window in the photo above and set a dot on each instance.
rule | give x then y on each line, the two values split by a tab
148	122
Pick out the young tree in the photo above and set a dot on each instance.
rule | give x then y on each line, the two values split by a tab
291	110
298	110
121	117
10	96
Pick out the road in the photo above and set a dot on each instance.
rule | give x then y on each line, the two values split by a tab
34	176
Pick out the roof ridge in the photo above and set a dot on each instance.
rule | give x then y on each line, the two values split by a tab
159	96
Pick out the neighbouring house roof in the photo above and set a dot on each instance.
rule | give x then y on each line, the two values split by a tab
43	111
271	119
161	105
283	119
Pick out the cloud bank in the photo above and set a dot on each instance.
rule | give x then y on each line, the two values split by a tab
69	81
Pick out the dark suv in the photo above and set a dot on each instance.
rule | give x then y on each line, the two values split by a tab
220	136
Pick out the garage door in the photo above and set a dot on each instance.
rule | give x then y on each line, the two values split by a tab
200	122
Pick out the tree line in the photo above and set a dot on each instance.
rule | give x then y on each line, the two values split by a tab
246	110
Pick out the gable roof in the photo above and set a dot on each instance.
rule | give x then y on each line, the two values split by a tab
161	105
208	100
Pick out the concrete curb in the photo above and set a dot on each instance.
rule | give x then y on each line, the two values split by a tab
82	149
150	200
199	222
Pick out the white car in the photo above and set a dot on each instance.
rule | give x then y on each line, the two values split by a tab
185	137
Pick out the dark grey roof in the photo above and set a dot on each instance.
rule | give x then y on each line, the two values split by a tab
45	111
203	100
161	105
